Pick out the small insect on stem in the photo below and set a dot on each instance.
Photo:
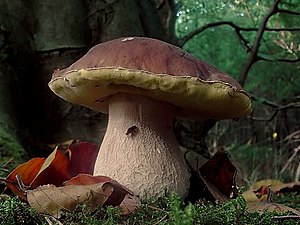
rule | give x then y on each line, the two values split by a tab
131	131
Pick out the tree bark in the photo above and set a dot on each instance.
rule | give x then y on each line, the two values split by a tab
14	51
40	36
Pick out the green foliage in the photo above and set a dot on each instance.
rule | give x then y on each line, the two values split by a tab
221	46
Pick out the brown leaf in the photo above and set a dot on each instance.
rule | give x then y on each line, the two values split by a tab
259	190
220	172
269	206
52	200
129	204
260	203
265	183
286	188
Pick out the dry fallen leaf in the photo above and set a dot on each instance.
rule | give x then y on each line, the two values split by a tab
286	188
259	198
263	206
129	204
259	190
265	183
52	200
250	196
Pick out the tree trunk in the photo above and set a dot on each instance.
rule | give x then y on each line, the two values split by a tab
14	61
40	36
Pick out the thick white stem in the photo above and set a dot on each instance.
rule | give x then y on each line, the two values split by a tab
139	149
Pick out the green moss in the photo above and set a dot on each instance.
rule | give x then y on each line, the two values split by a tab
164	211
13	211
290	199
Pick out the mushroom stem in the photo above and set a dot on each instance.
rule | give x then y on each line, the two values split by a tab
139	149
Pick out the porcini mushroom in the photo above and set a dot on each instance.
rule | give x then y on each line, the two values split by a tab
143	84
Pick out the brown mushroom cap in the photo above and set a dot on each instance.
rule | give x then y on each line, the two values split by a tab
154	68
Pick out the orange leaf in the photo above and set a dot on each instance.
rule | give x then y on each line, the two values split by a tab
53	171
27	171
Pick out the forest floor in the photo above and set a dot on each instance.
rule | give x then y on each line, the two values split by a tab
165	211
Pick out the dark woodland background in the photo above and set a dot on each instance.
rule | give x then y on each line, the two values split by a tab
257	42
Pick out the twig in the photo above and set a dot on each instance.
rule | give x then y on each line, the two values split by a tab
279	60
297	175
8	162
4	170
275	106
289	161
162	219
52	220
288	12
155	208
291	217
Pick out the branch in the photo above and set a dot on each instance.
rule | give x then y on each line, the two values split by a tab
288	12
182	41
161	5
254	50
275	106
282	29
253	54
237	29
279	60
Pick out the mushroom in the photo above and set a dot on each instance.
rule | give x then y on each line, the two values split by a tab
143	84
